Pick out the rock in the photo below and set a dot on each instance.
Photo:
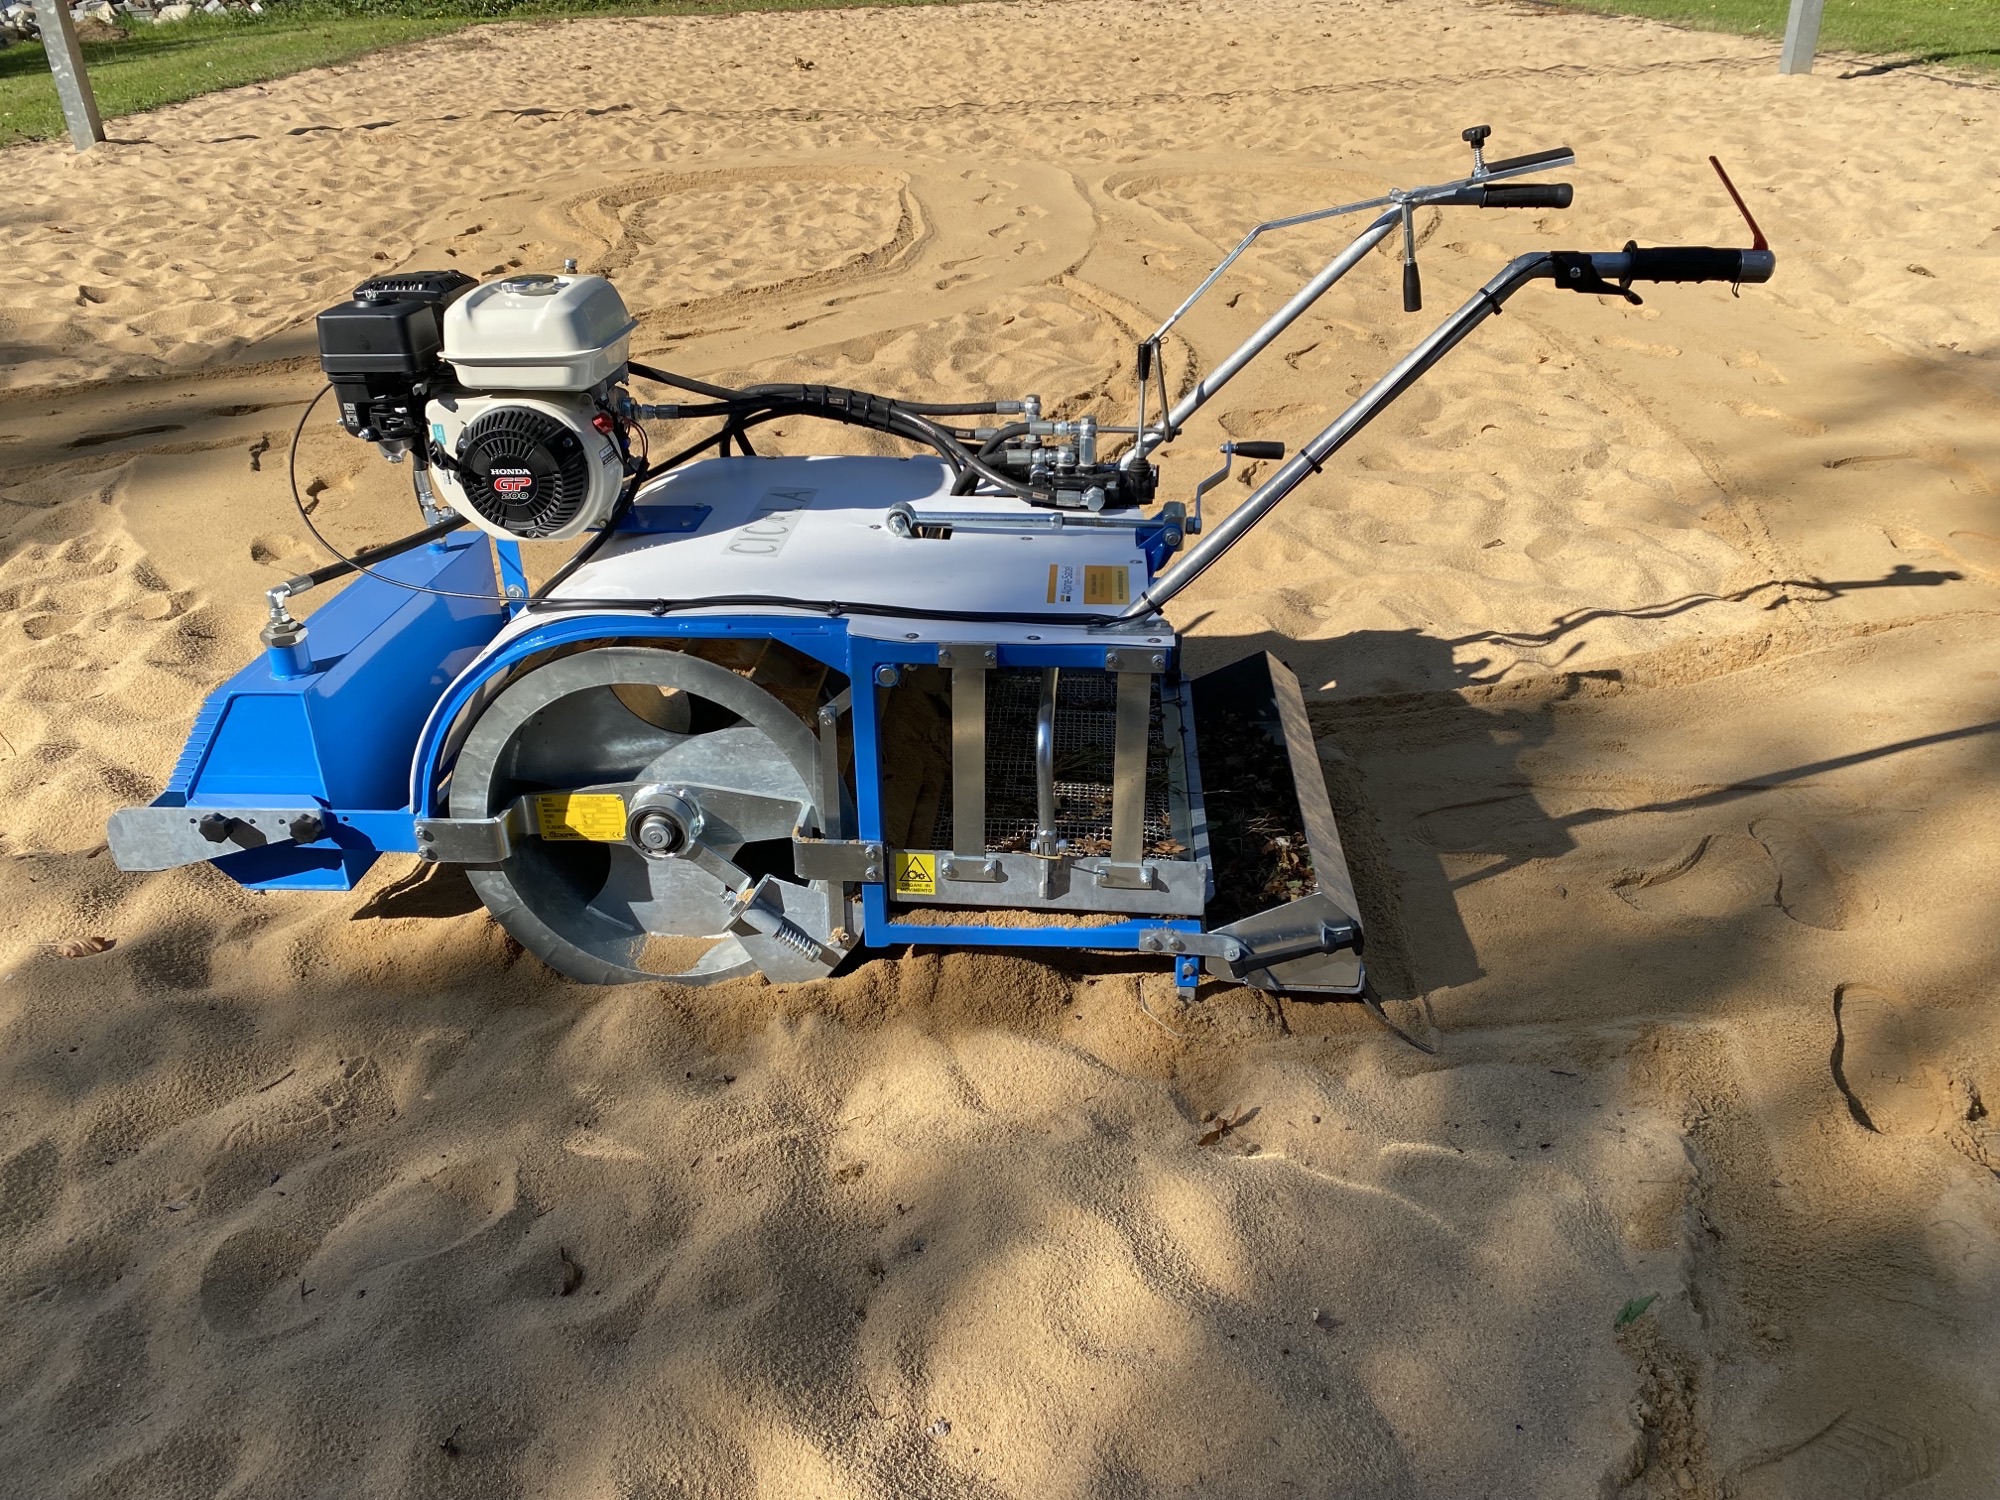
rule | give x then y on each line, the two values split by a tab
176	12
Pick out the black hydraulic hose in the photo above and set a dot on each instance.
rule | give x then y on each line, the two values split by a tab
950	408
854	408
724	393
1002	438
685	383
360	560
832	607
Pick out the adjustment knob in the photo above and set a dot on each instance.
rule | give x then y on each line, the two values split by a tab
1475	135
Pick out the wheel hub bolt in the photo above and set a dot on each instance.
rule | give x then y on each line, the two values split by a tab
657	833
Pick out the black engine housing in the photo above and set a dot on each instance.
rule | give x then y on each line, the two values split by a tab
524	470
383	347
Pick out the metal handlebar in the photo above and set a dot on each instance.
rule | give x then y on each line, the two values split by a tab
1479	190
1606	272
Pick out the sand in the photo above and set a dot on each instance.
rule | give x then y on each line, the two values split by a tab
1650	648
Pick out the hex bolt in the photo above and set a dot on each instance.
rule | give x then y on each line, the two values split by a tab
427	834
887	675
657	833
1159	661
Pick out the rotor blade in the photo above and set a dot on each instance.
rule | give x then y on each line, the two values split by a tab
740	759
665	897
586	737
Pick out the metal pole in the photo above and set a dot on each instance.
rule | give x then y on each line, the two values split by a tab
1442	340
79	104
1801	36
1251	347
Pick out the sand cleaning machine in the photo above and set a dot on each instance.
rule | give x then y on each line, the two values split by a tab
774	709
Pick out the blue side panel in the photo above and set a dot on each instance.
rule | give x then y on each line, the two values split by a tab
260	742
341	737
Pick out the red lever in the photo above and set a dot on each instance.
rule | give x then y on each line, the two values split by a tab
1757	240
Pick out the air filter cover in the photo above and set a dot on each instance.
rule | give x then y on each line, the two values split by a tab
538	333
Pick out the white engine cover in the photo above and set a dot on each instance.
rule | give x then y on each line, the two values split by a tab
538	333
530	468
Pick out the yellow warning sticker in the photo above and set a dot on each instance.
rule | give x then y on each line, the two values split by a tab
916	874
1069	584
596	816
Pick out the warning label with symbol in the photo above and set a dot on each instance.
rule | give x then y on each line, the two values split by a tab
916	874
598	817
1094	585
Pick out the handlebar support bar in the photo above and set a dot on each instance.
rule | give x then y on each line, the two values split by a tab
1606	272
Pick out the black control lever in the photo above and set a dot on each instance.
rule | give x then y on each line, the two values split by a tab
1475	137
1413	285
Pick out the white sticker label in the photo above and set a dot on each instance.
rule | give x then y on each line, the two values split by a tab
1092	584
776	518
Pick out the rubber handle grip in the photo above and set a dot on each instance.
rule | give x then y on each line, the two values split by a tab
1527	195
1413	287
1258	450
1687	263
1561	154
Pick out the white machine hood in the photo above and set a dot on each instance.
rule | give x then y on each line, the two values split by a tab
750	532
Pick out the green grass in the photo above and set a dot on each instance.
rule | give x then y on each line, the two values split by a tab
154	65
1957	33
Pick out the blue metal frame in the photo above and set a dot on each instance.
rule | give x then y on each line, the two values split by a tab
513	576
858	657
361	736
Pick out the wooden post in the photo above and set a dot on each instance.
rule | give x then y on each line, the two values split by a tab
1801	36
79	104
